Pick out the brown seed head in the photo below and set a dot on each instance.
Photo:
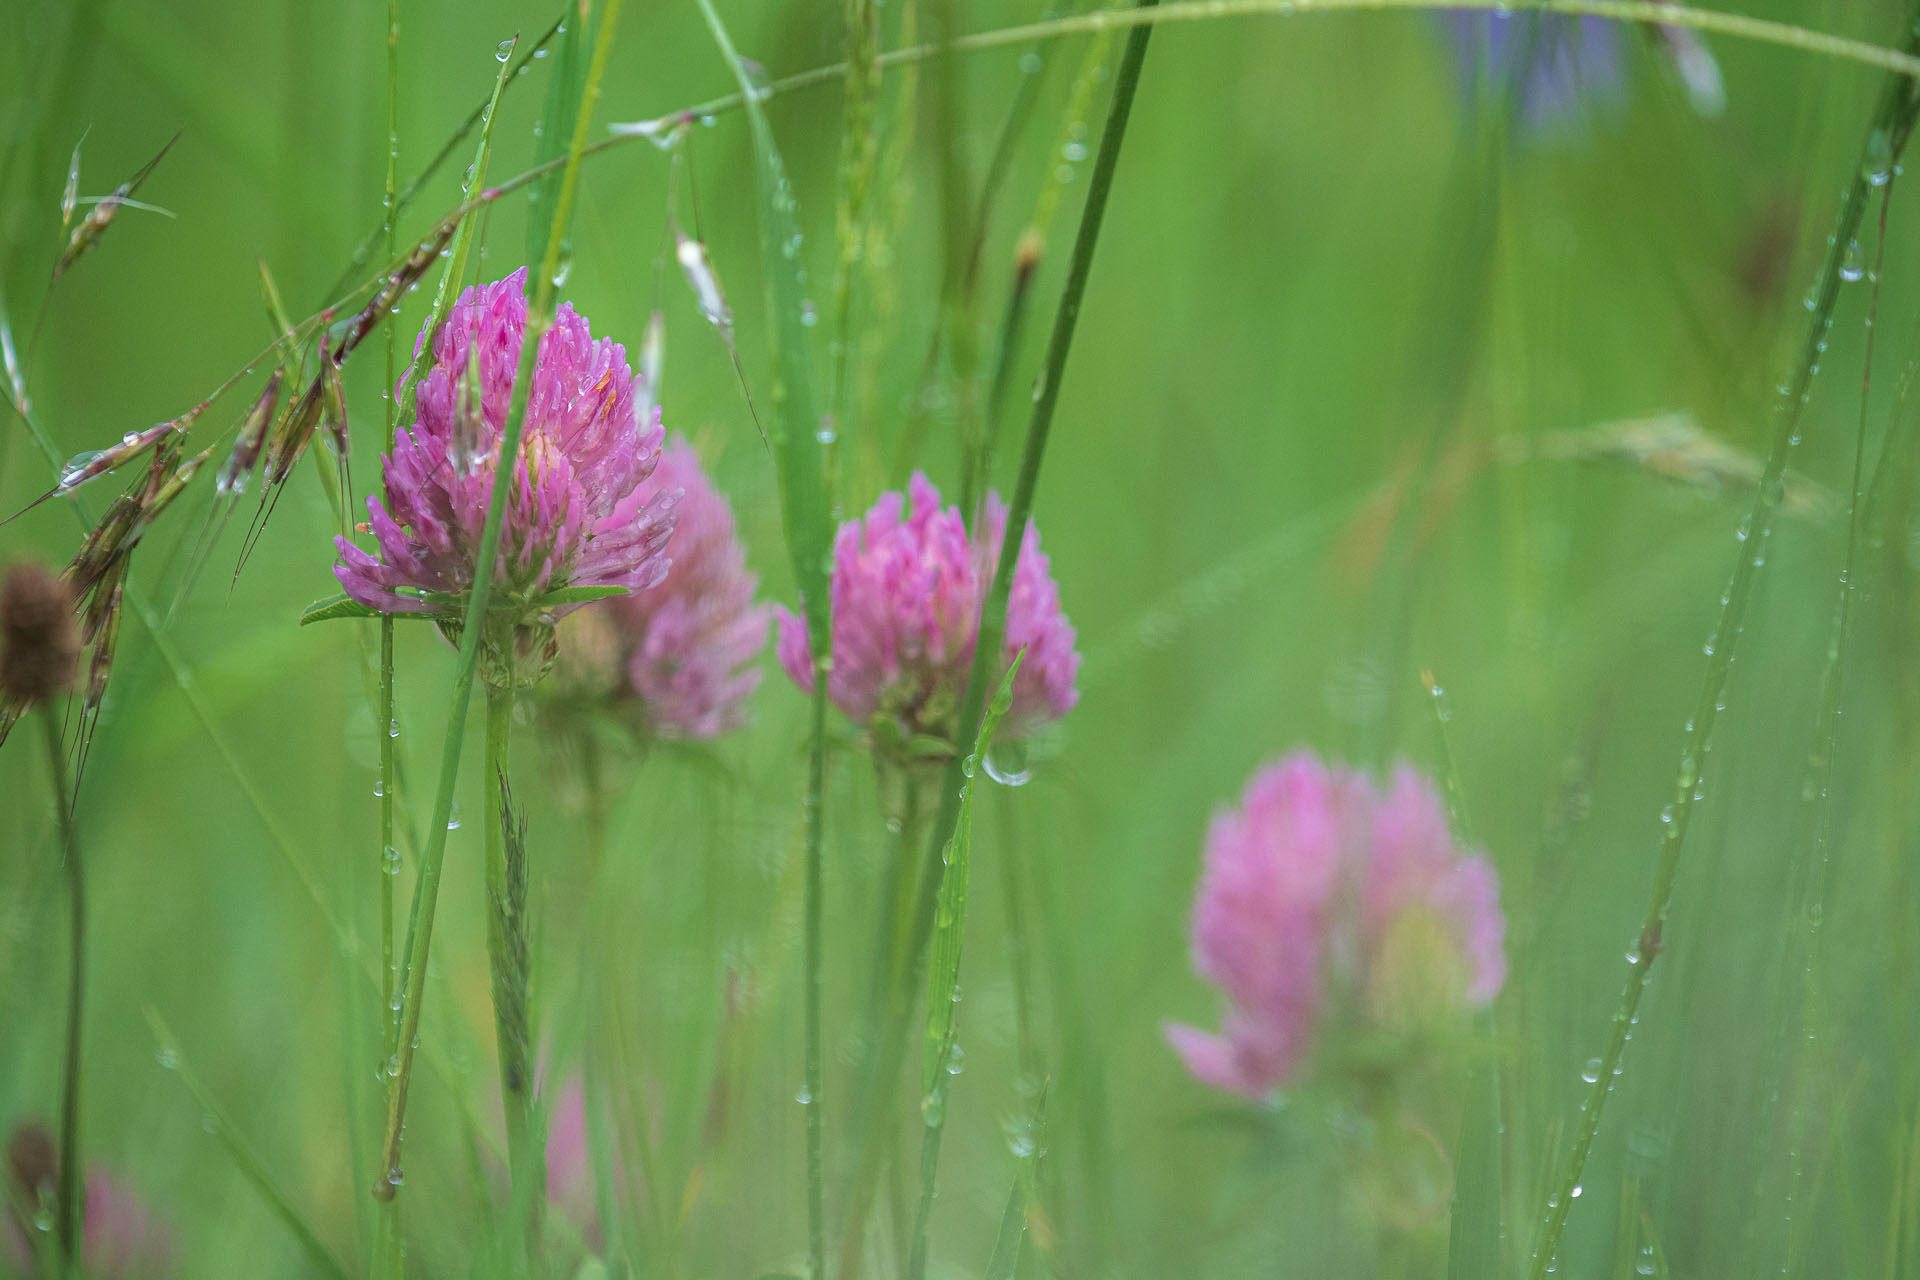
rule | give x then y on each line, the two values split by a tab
39	645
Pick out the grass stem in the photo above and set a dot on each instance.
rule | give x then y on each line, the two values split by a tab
427	887
1892	124
69	1201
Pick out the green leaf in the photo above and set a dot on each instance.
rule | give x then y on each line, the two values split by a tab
797	448
563	101
576	595
340	606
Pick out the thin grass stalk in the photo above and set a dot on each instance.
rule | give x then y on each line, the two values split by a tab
69	1200
1820	761
389	1229
241	1152
993	617
509	957
859	153
884	1057
799	449
427	886
1474	1232
939	1049
404	200
1887	136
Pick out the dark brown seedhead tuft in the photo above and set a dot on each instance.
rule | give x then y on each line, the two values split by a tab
39	643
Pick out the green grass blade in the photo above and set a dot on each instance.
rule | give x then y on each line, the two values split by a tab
798	457
943	974
1892	124
426	888
244	1158
1028	1143
563	92
993	620
456	268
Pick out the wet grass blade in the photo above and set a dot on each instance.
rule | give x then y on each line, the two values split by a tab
1892	124
403	200
993	620
241	1152
563	94
804	503
938	1051
540	312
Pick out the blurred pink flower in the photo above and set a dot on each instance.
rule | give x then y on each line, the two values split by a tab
1320	889
687	643
578	513
120	1238
907	590
570	1164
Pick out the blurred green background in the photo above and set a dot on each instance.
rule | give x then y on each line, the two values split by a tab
1332	317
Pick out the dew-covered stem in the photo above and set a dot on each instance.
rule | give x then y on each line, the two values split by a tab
509	956
1887	136
69	1200
389	1245
540	314
993	619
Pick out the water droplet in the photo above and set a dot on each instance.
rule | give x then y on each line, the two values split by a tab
453	817
1853	264
1877	166
504	52
76	467
808	315
1576	1192
167	1058
1074	152
957	1059
1591	1074
379	787
390	860
1008	763
1031	64
804	1097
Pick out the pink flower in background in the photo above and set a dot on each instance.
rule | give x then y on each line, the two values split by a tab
570	1163
686	645
907	590
1320	889
120	1238
578	513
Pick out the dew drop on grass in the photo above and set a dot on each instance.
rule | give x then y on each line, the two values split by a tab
1877	166
804	1097
504	52
1577	1190
1591	1074
1853	264
453	817
1008	763
167	1059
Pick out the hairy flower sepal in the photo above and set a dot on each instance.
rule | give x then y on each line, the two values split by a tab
519	647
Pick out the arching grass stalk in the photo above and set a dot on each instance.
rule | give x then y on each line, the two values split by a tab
540	314
1892	124
69	1202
